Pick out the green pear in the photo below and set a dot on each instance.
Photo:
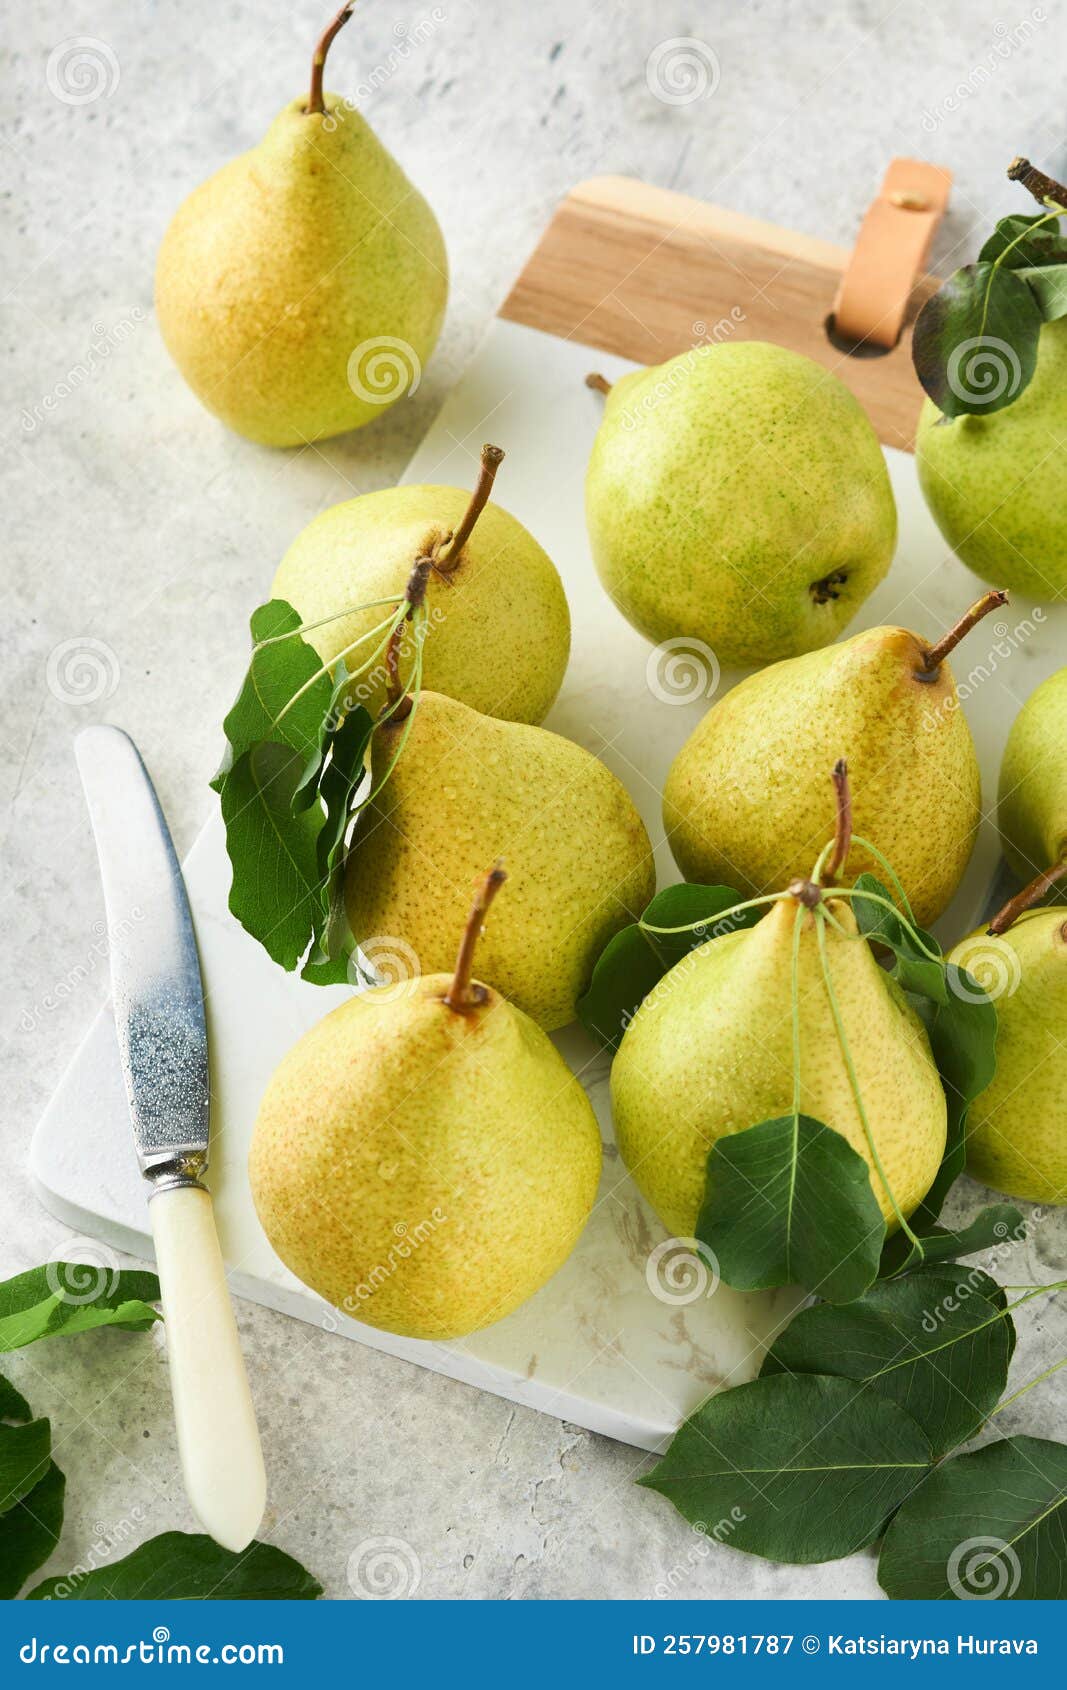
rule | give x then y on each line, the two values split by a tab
1017	1127
301	289
738	496
498	626
710	1052
744	806
466	788
424	1159
997	485
1032	802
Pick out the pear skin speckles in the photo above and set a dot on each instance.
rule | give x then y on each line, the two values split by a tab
424	1171
709	1052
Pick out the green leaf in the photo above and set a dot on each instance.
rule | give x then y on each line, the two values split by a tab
189	1567
30	1531
634	960
626	971
13	1405
975	341
1046	244
997	1224
790	1202
988	1525
805	1469
69	1297
25	1452
340	780
931	1343
913	970
1048	284
962	1034
275	891
276	673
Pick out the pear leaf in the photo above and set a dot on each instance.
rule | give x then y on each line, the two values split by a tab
275	892
187	1566
636	959
932	1343
962	1033
802	1468
1034	240
25	1454
789	1202
1000	1223
1048	284
914	970
70	1297
282	665
989	1525
975	342
30	1531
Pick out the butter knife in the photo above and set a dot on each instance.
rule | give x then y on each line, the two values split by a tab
159	1018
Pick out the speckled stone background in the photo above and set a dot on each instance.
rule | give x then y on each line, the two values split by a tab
139	533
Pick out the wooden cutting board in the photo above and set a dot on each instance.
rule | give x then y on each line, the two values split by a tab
645	273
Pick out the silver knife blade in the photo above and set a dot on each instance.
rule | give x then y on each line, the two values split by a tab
155	969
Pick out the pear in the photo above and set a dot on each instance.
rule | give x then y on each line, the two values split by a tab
997	484
498	626
710	1052
1032	801
425	1161
738	495
467	787
1017	1127
301	289
743	803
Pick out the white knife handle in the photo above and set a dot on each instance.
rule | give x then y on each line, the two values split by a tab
218	1440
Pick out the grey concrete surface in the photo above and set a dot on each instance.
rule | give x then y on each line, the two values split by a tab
139	534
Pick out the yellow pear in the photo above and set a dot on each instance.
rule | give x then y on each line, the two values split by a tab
423	1158
710	1052
497	622
1017	1127
743	803
301	288
467	788
738	495
1032	800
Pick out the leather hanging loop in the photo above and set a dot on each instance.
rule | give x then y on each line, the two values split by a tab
891	252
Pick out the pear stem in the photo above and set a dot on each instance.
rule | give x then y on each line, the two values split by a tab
462	995
599	383
1044	188
414	594
1027	898
318	60
936	654
843	826
492	458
